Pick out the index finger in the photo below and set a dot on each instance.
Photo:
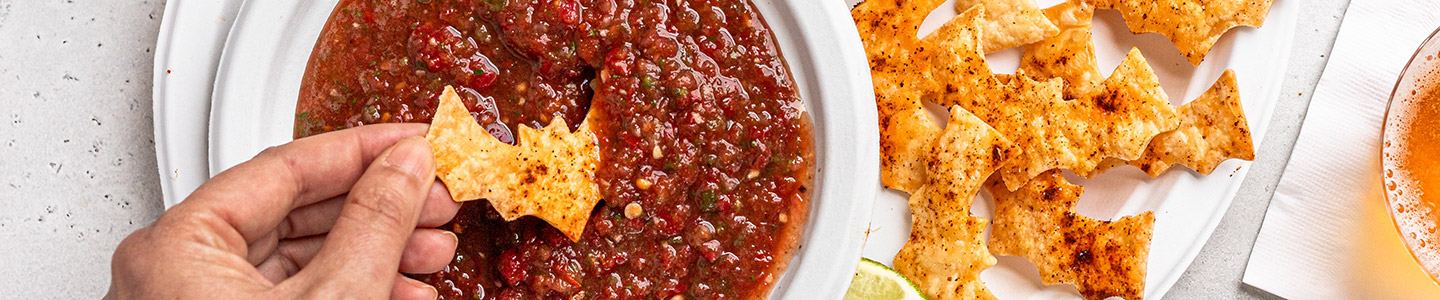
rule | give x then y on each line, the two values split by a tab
255	196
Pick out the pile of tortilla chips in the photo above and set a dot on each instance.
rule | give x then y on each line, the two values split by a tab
1056	113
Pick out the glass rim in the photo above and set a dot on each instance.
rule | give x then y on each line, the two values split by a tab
1432	38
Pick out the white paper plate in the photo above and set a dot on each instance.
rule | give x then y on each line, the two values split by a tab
264	59
1187	206
188	50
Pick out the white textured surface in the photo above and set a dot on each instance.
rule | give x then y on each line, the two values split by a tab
52	259
77	165
1327	234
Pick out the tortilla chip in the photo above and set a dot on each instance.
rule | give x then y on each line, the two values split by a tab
947	251
889	28
951	62
1009	23
903	77
1035	117
1117	121
1192	25
1101	258
1069	55
1131	108
1114	119
1073	14
946	254
1212	129
550	174
907	131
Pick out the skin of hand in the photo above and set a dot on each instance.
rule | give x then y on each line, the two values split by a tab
338	215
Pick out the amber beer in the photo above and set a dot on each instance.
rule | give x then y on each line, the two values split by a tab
1411	156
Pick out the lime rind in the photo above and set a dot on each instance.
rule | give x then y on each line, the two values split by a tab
875	281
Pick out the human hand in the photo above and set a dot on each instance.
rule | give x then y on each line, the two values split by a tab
337	215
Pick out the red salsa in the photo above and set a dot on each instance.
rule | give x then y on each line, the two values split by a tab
706	150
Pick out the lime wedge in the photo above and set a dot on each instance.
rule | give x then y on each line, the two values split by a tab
875	281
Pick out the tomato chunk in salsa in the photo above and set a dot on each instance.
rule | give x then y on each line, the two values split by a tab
706	152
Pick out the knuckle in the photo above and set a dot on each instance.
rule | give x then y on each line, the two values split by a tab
270	152
276	158
131	246
286	228
289	262
397	175
383	203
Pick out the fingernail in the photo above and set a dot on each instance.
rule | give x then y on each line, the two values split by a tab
453	237
411	155
434	292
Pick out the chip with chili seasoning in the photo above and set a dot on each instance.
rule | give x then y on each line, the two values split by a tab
1192	25
1212	129
1009	23
1070	54
903	77
946	250
1101	258
1129	109
950	61
1116	121
888	29
906	126
549	174
909	130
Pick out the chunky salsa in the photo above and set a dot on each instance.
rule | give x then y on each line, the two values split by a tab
706	150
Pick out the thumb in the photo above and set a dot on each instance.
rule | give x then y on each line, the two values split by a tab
362	252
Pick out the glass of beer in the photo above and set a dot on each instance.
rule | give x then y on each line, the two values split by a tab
1411	155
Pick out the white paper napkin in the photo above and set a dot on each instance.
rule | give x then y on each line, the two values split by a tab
1327	234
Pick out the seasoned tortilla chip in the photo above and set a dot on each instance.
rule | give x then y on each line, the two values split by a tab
945	254
947	251
1033	115
550	174
904	76
1069	55
1117	121
1193	25
907	131
1212	129
1130	108
949	60
889	28
1009	23
1072	14
1101	258
1114	119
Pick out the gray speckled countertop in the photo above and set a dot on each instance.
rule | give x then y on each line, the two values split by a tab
77	164
77	156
